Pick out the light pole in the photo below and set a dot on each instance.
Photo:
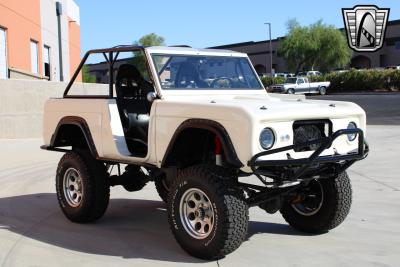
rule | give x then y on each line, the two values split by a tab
59	12
270	47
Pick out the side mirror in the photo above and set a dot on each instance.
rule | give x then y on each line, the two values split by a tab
151	96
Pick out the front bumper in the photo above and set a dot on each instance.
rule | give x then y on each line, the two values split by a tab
307	168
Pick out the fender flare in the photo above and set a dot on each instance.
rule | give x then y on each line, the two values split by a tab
214	127
84	127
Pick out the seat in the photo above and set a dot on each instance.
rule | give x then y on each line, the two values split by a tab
188	77
133	107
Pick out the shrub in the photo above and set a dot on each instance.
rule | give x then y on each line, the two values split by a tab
312	79
392	79
268	81
363	80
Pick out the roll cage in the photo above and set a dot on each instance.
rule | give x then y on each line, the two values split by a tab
110	55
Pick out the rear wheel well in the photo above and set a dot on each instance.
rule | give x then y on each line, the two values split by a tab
70	135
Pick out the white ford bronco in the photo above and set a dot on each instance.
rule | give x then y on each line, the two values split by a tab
200	124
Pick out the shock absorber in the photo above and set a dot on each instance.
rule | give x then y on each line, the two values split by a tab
218	151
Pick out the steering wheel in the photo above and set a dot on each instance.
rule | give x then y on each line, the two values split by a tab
217	83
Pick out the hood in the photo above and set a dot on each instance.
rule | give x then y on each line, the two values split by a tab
289	109
263	107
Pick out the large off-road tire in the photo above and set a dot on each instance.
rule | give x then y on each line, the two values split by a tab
326	206
82	187
162	188
207	213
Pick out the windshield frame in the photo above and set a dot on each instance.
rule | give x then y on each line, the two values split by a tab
173	91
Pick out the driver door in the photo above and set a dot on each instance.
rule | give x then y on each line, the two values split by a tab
302	87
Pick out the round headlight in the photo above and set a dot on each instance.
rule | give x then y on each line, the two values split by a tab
353	136
267	138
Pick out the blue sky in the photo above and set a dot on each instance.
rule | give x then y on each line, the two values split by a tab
204	23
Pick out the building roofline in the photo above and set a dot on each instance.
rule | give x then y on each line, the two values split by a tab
389	23
246	43
393	22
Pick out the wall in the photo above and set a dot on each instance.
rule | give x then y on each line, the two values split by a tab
258	53
70	36
26	75
392	54
22	23
22	102
50	35
74	48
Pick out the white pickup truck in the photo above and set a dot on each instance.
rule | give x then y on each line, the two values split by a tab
301	85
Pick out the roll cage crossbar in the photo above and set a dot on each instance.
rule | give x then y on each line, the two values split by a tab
110	55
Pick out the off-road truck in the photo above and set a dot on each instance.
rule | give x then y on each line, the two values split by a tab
200	124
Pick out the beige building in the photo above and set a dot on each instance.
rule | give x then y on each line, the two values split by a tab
259	52
39	39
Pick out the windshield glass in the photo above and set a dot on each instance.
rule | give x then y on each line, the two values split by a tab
205	72
290	80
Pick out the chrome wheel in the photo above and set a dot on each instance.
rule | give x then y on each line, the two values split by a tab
73	189
197	213
310	199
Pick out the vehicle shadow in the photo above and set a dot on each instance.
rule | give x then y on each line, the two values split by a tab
272	228
131	228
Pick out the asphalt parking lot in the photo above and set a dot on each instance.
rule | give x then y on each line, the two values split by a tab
381	109
135	232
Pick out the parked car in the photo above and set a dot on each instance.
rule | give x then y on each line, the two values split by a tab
300	85
264	75
339	71
198	139
310	73
284	74
276	74
393	67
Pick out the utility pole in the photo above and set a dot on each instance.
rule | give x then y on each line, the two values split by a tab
270	47
59	14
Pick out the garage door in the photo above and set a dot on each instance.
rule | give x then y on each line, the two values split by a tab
3	54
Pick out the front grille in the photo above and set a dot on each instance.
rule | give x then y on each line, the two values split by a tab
305	131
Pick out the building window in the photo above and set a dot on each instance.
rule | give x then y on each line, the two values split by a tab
34	57
3	55
46	62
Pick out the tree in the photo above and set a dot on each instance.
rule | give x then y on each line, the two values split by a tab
316	46
151	39
138	60
86	76
331	49
292	23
